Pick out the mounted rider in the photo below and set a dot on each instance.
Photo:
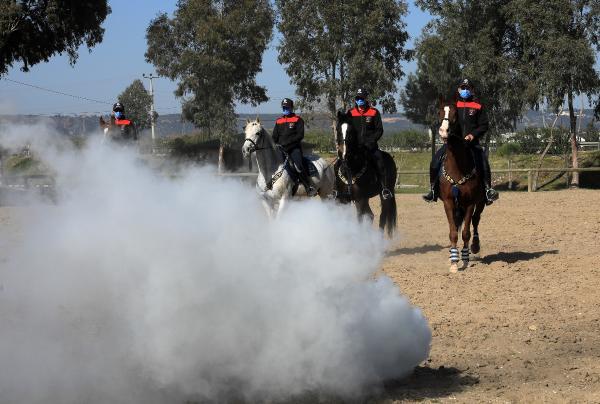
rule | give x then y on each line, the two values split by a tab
369	127
288	134
128	130
473	122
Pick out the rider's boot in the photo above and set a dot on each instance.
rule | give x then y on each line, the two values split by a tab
381	176
434	188
308	184
432	196
385	192
491	194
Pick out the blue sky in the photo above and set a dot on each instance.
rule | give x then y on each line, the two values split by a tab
119	59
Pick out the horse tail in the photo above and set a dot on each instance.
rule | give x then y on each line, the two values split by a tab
391	217
458	212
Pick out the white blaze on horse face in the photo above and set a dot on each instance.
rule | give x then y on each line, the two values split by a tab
344	131
445	124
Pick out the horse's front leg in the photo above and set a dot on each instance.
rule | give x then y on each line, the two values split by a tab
281	206
466	235
448	208
476	246
363	209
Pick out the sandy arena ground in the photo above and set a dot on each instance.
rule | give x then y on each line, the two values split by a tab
520	325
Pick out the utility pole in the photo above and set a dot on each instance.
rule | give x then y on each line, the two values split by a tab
151	77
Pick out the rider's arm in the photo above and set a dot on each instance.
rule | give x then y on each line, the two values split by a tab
299	130
276	134
378	133
482	124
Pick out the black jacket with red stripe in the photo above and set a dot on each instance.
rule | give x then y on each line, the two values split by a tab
289	132
472	118
368	125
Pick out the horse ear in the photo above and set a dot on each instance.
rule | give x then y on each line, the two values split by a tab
257	119
340	115
247	121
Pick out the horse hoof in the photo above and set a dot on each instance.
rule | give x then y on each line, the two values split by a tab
465	265
454	268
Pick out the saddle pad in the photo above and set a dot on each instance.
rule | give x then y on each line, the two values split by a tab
310	167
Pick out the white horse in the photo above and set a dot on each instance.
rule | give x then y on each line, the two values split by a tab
274	183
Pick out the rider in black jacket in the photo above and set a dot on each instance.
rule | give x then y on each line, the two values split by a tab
288	133
367	122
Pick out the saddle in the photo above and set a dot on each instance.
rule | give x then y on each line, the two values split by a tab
307	165
366	166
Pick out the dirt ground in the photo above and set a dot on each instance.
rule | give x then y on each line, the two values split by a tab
520	325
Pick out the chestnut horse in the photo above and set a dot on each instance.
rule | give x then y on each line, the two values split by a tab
461	188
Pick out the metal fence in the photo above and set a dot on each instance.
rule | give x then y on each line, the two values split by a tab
531	173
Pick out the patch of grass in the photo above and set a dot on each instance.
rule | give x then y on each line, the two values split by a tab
18	165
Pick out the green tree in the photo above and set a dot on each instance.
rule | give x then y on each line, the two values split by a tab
331	48
31	31
434	79
214	50
137	104
474	39
558	40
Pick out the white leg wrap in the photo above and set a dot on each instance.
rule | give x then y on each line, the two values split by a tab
454	255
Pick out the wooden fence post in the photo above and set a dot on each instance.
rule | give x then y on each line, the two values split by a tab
510	179
529	181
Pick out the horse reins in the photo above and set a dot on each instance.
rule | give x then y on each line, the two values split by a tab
278	174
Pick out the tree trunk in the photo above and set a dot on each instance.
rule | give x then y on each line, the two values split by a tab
432	135
550	141
574	161
221	164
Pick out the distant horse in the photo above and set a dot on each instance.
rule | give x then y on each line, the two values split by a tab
357	179
118	130
276	184
461	188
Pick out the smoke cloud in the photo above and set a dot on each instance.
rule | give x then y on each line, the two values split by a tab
140	288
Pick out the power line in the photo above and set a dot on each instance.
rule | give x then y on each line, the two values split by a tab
57	92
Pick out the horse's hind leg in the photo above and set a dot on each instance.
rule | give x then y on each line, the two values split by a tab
476	246
466	235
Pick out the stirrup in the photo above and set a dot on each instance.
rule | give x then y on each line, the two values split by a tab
310	190
491	195
430	197
386	194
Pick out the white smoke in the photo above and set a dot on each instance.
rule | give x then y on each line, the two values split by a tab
140	288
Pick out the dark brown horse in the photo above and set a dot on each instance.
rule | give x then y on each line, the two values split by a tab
356	179
461	188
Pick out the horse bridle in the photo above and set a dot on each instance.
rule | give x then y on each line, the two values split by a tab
253	143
